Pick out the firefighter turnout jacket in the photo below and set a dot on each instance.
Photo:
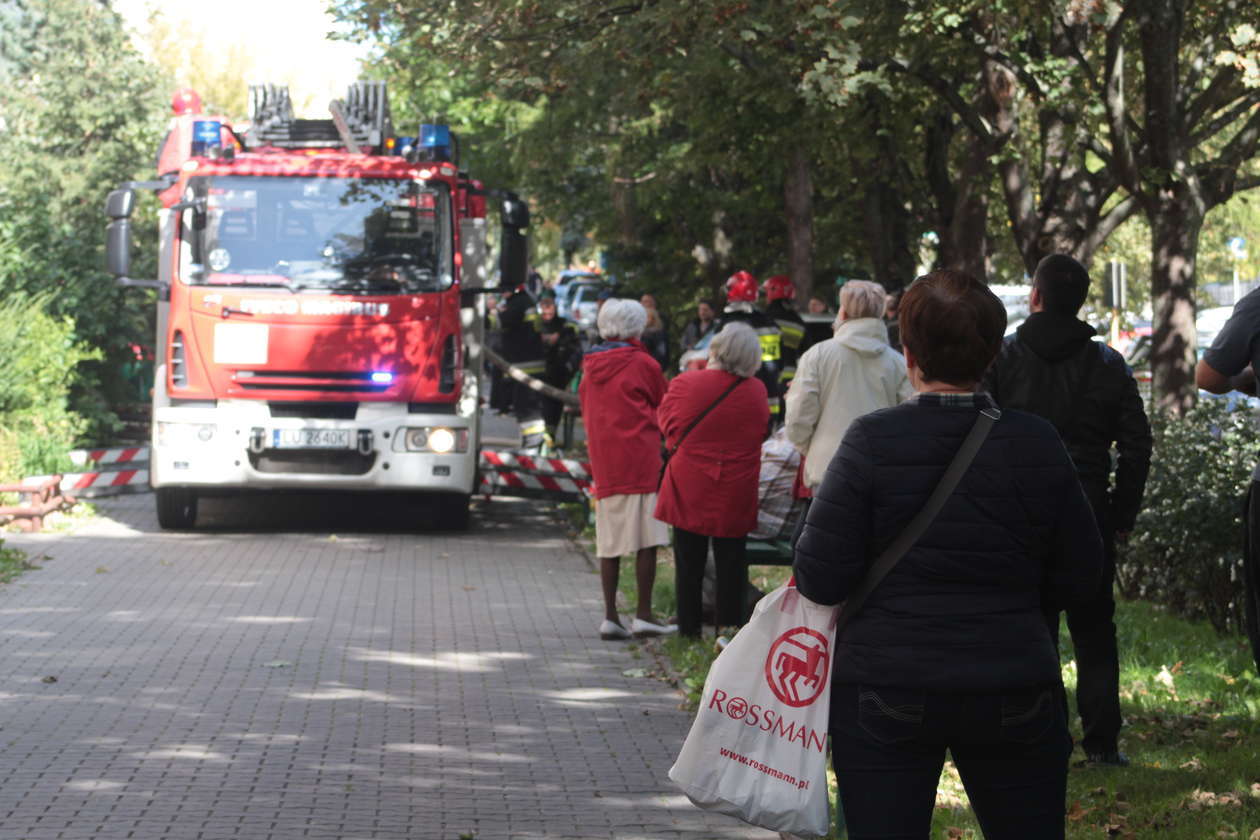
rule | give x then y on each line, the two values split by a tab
523	347
771	338
792	328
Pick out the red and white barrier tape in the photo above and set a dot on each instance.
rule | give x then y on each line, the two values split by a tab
508	480
499	460
93	483
117	455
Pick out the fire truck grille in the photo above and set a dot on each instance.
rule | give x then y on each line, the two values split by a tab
306	462
315	410
328	381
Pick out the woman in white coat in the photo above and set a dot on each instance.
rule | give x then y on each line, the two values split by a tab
853	373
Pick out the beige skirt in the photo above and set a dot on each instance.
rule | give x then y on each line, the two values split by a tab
624	524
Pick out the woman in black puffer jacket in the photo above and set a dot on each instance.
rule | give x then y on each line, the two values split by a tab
951	650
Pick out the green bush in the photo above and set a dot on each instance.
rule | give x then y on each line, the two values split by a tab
39	359
1186	551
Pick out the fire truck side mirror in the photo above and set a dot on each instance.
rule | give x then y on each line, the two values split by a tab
515	213
120	204
118	247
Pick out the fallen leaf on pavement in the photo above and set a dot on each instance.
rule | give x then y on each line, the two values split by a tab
49	680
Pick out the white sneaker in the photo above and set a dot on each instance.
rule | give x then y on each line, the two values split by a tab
611	631
643	629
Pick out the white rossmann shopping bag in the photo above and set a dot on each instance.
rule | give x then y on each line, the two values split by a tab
758	747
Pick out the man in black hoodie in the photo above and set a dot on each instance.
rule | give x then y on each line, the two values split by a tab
1053	367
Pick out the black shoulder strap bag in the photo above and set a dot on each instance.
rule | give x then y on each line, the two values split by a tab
669	453
910	535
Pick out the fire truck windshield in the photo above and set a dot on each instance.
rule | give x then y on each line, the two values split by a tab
365	235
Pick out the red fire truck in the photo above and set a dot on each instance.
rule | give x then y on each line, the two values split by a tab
318	321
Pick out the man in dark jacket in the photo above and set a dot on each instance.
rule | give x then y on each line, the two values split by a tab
523	347
1053	367
1230	364
562	353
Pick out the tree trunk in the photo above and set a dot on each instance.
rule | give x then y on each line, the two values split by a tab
886	224
1175	223
964	243
625	209
798	203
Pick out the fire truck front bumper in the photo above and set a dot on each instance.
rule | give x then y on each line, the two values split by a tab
378	446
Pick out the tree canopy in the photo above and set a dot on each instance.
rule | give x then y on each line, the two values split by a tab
819	139
81	113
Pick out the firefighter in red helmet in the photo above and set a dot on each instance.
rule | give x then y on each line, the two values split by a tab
741	305
779	294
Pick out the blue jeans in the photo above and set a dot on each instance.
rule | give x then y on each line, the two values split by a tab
1011	750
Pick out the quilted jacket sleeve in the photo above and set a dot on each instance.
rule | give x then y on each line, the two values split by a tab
831	556
1074	566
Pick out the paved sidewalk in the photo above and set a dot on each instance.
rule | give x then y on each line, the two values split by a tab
267	679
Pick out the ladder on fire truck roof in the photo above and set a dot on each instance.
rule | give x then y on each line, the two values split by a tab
364	114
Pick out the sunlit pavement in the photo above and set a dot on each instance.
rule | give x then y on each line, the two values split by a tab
303	668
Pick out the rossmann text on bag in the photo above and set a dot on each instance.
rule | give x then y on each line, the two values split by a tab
767	720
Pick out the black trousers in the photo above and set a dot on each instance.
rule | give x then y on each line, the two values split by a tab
1251	570
691	551
553	410
1011	750
1093	630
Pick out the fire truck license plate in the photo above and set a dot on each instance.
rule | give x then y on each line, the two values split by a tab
310	438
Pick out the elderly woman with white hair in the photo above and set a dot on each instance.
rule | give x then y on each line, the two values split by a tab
714	421
621	387
853	373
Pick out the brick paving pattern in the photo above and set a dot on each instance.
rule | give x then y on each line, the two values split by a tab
286	673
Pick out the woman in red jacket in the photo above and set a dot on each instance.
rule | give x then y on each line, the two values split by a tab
621	387
709	492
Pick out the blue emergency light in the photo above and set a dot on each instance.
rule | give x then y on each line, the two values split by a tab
382	377
435	142
207	135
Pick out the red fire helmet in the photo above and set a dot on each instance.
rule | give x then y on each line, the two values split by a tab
741	287
779	286
186	101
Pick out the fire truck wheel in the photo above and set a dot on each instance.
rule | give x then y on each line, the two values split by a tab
176	508
452	512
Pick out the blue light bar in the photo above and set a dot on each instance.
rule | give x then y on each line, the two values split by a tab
435	142
206	136
381	377
435	135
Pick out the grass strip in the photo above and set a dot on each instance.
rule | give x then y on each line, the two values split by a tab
1191	702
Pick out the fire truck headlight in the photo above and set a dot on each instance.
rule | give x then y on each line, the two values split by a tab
417	440
441	440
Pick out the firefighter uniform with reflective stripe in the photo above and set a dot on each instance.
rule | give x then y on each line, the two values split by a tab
562	358
771	338
792	327
523	347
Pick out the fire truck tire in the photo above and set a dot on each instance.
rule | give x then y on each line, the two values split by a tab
452	511
176	508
